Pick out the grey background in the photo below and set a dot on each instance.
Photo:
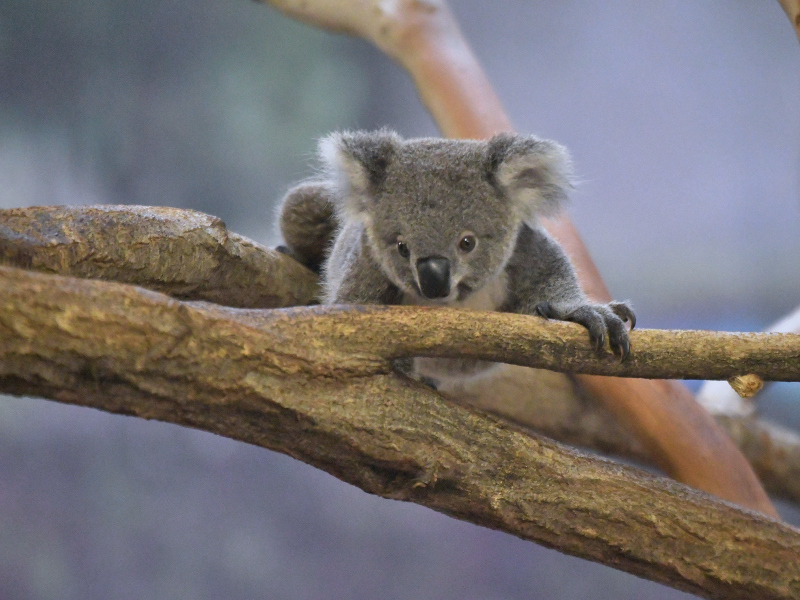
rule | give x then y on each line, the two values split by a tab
683	121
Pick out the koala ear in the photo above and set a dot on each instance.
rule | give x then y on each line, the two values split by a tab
533	173
357	163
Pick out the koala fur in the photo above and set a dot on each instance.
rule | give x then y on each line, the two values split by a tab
444	222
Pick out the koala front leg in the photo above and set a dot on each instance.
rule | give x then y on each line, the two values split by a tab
544	283
598	319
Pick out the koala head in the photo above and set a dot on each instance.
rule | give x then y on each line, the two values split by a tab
442	216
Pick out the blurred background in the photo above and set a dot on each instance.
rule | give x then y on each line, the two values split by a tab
683	121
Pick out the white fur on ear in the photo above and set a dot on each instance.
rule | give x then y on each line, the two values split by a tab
340	163
356	162
534	173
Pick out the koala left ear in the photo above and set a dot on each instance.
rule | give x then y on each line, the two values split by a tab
533	173
357	163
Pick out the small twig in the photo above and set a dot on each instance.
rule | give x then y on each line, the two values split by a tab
792	10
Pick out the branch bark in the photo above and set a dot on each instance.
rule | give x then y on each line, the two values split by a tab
721	399
254	376
183	253
424	37
774	451
85	242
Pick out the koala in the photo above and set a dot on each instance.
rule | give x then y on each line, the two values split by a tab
443	222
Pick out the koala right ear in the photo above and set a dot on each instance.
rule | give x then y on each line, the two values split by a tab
357	163
533	173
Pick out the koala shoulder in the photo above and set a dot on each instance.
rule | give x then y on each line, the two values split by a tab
539	270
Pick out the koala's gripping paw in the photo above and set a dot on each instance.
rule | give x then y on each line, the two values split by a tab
599	319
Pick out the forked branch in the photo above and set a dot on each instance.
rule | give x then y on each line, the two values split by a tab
289	380
186	254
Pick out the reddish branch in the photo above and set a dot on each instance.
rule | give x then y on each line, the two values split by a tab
792	10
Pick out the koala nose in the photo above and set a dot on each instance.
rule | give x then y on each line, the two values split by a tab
434	276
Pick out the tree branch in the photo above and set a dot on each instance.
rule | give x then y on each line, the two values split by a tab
774	451
254	376
183	253
551	404
85	242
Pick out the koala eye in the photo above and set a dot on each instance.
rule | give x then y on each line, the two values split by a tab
467	243
402	249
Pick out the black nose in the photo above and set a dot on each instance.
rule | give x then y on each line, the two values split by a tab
434	276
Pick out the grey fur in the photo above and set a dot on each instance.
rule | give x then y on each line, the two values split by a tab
431	193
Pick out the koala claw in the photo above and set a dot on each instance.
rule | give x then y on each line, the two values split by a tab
624	312
599	320
622	349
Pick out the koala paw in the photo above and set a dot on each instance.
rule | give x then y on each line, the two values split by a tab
599	319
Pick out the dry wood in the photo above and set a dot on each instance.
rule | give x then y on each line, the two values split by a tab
289	380
424	37
180	252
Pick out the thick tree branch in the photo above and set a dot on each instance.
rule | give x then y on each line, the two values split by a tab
253	376
551	404
183	253
127	244
85	242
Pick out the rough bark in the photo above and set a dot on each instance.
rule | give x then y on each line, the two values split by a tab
183	253
774	451
552	404
85	242
289	380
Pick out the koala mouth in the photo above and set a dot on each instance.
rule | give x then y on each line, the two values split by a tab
463	290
